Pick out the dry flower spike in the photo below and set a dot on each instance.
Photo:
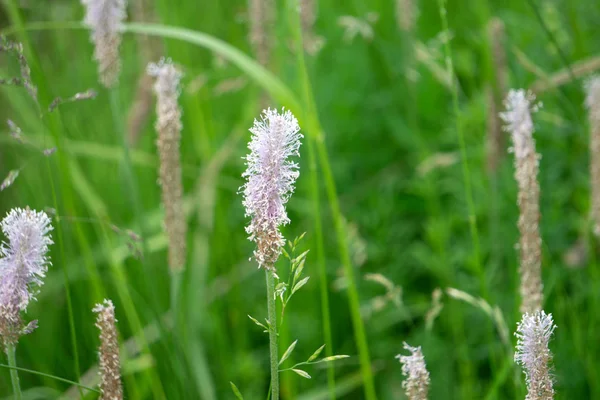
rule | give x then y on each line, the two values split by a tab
110	364
592	102
104	18
168	126
517	117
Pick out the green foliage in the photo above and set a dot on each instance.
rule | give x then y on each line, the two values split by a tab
383	114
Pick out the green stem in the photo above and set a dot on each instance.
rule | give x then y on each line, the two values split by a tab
14	375
464	161
272	315
306	91
58	378
175	287
131	189
323	287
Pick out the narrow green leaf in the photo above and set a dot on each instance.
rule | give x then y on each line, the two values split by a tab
316	354
257	323
236	391
257	72
300	284
288	352
298	239
301	257
303	374
331	358
299	270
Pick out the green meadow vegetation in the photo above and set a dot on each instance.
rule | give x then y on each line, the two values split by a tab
406	199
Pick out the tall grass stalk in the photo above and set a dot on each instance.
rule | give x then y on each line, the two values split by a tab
320	251
407	24
478	269
316	210
14	375
120	281
315	134
464	158
120	276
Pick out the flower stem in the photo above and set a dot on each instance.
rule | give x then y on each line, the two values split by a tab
14	374
272	315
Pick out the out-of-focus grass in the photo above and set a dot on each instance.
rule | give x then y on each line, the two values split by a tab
378	127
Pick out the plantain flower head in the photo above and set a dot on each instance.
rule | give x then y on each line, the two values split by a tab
592	102
23	266
270	178
168	127
414	369
533	336
519	106
110	364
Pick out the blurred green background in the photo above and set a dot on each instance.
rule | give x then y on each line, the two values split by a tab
384	100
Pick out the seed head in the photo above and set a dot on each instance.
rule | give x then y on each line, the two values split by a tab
517	117
23	266
169	127
592	102
261	14
406	14
533	355
416	384
520	126
110	365
270	178
104	18
308	16
25	79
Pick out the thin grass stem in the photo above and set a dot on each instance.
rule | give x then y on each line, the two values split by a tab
315	135
121	277
316	210
464	159
57	378
14	375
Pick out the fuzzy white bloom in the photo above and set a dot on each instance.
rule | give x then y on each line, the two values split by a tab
24	262
414	369
519	106
104	18
517	117
533	335
270	178
23	265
